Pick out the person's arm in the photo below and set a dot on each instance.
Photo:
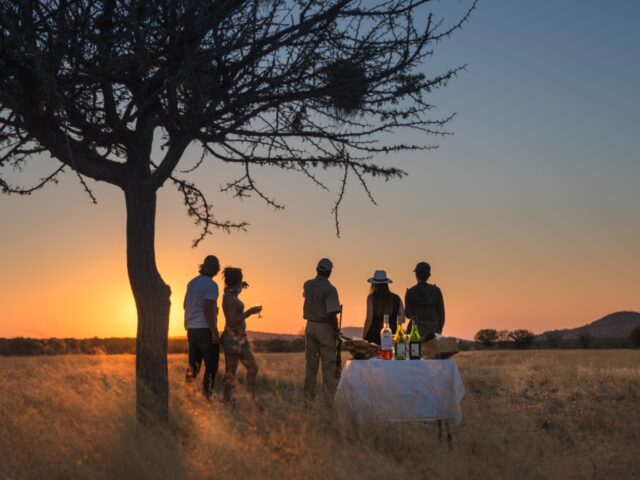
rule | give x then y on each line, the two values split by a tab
211	315
401	310
332	304
230	309
440	308
333	321
408	312
369	318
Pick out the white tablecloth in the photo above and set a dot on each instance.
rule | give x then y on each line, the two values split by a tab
409	390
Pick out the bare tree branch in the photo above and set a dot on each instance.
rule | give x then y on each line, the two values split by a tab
298	85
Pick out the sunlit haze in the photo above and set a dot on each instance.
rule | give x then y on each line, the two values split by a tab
529	214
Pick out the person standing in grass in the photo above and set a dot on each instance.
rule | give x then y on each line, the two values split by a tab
424	301
200	321
234	338
380	302
321	308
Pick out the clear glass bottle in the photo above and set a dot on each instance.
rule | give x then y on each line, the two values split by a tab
386	340
400	342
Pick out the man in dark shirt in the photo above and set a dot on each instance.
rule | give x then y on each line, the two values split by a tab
424	301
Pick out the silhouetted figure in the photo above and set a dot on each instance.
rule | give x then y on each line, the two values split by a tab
234	338
381	301
425	302
200	321
321	307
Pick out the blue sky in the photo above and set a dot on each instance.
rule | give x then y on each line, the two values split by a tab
529	213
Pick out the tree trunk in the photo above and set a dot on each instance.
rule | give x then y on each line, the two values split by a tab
152	303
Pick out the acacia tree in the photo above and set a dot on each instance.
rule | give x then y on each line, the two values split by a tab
291	84
487	336
522	338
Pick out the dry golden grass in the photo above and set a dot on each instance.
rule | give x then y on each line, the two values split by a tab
527	415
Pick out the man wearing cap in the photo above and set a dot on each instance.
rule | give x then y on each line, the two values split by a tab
424	301
321	307
200	321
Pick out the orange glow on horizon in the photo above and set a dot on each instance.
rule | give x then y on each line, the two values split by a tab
105	307
66	277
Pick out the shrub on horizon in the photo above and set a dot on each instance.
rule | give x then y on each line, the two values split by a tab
503	338
487	337
585	340
522	338
635	336
554	339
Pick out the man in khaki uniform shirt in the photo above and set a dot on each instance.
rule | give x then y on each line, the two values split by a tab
321	307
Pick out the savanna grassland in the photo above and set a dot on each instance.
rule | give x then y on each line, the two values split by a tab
527	415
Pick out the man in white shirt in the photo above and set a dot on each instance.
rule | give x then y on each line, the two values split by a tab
200	321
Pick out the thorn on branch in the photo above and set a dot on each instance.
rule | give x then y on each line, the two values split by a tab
365	186
243	187
201	210
7	189
336	207
87	189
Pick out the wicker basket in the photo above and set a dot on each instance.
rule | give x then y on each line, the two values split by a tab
360	349
439	348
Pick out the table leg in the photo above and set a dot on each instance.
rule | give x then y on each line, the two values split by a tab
449	437
440	431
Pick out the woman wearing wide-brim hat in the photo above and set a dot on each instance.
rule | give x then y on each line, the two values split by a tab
381	301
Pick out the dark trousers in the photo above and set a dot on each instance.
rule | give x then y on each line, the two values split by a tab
201	347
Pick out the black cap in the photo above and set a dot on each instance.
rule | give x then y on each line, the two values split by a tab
324	265
423	267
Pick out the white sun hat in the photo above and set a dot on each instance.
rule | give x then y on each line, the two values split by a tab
379	276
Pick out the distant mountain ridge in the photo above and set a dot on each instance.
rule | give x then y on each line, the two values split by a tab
614	325
271	336
351	332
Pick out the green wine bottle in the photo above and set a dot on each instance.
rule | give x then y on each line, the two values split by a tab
415	342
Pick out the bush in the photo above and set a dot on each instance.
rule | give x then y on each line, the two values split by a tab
585	340
635	336
503	338
554	339
522	338
487	336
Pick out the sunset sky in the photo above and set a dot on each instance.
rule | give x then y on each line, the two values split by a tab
529	214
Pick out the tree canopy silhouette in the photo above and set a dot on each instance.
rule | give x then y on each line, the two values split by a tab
291	84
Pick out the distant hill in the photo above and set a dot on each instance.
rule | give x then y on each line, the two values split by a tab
271	336
614	325
352	332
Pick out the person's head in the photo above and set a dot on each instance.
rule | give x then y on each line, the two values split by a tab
382	299
233	278
324	268
422	271
380	282
379	289
210	266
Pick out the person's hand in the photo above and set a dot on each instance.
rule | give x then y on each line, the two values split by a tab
215	336
254	310
333	321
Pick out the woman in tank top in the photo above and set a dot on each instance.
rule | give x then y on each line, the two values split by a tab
234	338
381	301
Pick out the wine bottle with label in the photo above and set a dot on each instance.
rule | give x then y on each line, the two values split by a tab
400	342
386	340
415	342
